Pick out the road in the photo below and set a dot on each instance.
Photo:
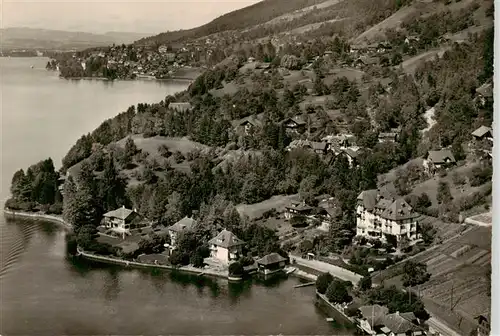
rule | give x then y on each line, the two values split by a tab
336	271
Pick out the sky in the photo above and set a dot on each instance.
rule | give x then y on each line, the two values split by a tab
113	15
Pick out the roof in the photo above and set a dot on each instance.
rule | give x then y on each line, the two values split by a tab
399	210
120	213
368	60
253	120
388	135
351	152
184	224
368	198
296	120
272	258
441	156
485	90
374	314
482	131
300	207
180	106
226	239
319	145
399	323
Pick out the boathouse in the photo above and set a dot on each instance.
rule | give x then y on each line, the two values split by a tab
271	263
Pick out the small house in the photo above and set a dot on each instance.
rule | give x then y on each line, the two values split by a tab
319	147
298	209
162	49
122	220
248	125
226	246
484	94
352	154
387	137
435	160
363	61
271	263
181	107
372	317
483	325
376	320
174	231
482	133
294	125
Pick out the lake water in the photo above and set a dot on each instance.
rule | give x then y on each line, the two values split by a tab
44	293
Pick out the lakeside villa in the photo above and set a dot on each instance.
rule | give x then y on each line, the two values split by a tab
377	217
123	220
226	247
184	225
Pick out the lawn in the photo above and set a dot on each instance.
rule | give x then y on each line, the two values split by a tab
256	210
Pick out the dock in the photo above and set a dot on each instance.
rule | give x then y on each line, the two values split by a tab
305	284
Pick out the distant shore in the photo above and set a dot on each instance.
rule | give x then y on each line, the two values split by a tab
126	80
35	215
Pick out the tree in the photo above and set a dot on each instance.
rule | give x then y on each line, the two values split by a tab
403	244
365	283
337	292
428	232
323	281
113	187
130	149
423	202
179	258
443	192
396	59
236	269
414	273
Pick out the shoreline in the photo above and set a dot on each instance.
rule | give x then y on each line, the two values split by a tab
34	215
187	79
116	261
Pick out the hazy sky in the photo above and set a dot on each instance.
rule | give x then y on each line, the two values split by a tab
130	16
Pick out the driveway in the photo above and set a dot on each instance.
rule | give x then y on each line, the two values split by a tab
336	271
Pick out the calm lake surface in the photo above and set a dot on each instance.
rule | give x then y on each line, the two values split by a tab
44	293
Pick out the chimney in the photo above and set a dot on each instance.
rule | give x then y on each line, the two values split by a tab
397	313
123	206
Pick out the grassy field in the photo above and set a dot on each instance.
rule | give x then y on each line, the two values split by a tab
256	210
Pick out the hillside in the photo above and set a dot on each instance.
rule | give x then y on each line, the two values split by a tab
45	39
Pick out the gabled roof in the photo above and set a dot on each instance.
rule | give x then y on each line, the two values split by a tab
400	324
296	120
485	90
226	239
441	156
120	213
319	145
368	198
272	258
374	315
184	224
482	131
252	120
299	207
399	210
